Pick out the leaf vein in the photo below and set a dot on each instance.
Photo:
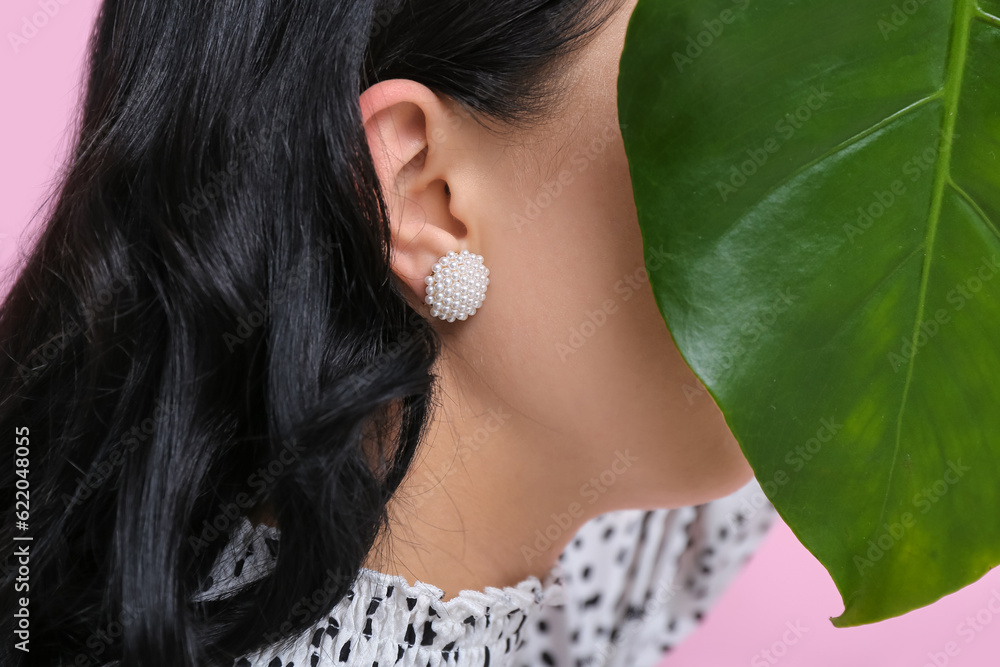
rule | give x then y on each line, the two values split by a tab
857	138
961	27
974	205
988	18
859	308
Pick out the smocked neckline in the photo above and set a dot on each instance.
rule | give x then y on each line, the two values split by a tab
384	607
529	591
414	614
633	573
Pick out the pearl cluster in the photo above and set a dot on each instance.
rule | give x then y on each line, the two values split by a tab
457	286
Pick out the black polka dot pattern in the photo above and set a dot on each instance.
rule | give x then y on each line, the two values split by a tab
628	588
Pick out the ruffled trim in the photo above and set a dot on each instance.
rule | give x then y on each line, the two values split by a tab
396	611
384	611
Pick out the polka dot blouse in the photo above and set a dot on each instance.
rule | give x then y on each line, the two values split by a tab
628	587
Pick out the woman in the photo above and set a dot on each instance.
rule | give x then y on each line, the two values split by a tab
257	437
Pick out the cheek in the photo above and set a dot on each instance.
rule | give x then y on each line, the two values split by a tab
579	344
583	325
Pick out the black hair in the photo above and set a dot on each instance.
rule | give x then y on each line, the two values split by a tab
207	320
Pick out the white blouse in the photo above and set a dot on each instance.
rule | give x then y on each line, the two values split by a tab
629	587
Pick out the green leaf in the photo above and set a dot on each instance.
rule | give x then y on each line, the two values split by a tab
824	178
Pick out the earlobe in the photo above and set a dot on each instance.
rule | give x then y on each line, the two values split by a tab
399	115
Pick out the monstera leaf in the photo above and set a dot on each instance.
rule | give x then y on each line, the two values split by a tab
824	179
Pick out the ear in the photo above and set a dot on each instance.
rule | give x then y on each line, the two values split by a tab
406	127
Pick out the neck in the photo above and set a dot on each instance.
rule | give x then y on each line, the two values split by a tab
490	499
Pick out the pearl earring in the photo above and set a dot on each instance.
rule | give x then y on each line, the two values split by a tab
457	286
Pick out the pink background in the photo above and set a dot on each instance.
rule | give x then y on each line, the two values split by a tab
782	585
